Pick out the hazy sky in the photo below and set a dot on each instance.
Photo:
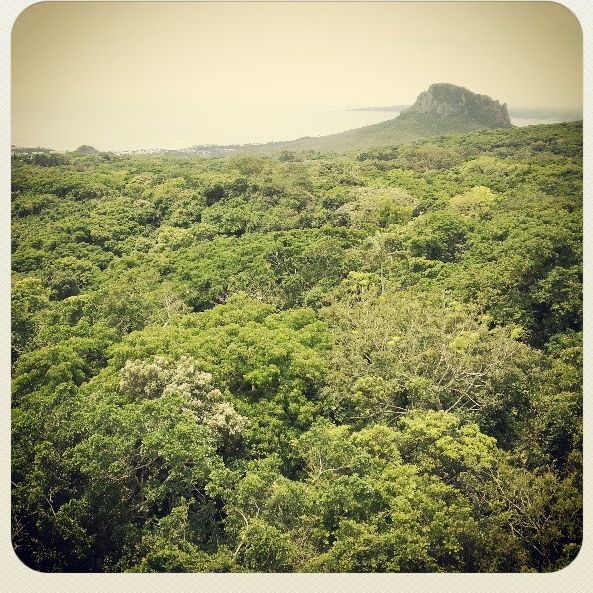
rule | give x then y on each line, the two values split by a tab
121	75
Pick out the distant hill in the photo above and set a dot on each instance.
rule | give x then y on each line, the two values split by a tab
442	101
442	110
86	149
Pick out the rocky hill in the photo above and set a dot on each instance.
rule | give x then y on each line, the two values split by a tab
443	100
86	149
442	110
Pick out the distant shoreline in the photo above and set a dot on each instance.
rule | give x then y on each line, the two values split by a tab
520	118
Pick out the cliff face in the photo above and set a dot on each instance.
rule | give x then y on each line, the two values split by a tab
443	100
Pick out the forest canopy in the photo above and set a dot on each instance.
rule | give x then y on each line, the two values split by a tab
301	362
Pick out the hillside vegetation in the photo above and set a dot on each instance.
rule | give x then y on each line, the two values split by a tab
303	362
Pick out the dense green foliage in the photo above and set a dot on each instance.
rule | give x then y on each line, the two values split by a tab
301	362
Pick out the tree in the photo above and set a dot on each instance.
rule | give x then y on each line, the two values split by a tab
29	300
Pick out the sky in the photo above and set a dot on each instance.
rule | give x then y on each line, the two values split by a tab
128	75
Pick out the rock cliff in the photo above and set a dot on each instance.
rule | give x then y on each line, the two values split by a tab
448	100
